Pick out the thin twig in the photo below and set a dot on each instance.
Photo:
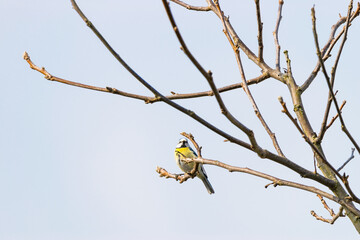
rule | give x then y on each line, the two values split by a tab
353	197
182	42
336	116
260	28
288	65
252	81
190	7
326	206
276	35
225	27
324	127
325	53
334	68
347	161
331	212
178	177
287	113
146	99
50	77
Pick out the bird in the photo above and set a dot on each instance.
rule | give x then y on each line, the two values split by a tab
183	151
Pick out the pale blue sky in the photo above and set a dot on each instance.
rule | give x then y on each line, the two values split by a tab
78	164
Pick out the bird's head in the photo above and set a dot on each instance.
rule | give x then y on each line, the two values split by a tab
182	143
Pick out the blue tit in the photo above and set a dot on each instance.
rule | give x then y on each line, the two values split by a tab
183	151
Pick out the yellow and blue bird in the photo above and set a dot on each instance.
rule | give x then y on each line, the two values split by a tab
183	151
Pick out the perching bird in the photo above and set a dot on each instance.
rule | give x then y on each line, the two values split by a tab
182	151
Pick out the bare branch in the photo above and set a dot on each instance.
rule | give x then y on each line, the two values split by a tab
336	116
182	42
287	113
50	77
323	127
260	28
178	177
225	27
230	117
245	86
344	178
190	7
146	99
347	161
326	51
276	36
326	206
239	44
288	65
314	148
332	214
275	181
353	197
153	90
347	24
252	81
209	78
330	86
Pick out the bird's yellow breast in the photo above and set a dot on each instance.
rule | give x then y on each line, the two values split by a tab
184	153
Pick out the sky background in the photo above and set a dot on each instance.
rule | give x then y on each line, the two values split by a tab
78	164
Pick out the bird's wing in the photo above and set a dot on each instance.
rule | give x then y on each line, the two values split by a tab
193	152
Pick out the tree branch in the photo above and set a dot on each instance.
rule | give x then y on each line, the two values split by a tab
190	7
50	77
313	147
239	44
336	116
245	87
347	161
343	127
210	80
324	127
260	28
275	181
182	42
332	214
146	99
330	86
276	36
252	81
183	177
326	51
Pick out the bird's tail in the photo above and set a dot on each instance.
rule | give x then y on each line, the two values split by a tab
207	184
